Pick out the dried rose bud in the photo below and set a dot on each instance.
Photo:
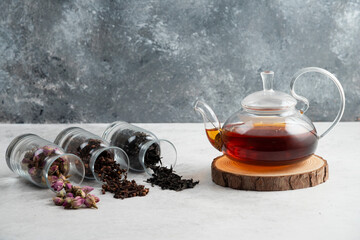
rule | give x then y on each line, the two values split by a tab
68	186
53	169
97	199
58	201
67	202
90	201
62	177
26	161
70	195
80	193
53	178
87	189
61	160
61	194
75	188
58	185
32	171
77	202
65	166
47	150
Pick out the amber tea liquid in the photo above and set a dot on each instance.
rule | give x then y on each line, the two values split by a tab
268	144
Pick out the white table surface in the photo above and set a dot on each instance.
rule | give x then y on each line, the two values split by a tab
327	211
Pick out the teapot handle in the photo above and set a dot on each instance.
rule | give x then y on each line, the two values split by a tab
306	102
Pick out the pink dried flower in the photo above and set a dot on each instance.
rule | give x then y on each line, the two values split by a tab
70	195
47	150
77	202
53	169
58	201
58	185
67	202
75	188
87	189
53	178
80	193
97	199
62	177
61	160
68	186
90	201
61	194
32	171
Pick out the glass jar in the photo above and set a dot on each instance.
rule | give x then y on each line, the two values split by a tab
143	148
42	162
89	148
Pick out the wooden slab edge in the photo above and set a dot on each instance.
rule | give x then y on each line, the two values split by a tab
268	183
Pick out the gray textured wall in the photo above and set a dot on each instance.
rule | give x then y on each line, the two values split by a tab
147	61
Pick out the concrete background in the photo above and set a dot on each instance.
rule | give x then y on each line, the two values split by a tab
147	61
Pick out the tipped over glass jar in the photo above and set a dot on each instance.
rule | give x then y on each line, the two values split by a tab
42	162
93	150
142	147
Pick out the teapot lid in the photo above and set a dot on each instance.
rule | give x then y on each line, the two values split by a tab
268	99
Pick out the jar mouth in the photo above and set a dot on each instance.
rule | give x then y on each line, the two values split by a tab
120	157
76	169
167	154
12	145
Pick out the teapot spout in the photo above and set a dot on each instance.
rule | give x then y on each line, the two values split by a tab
211	123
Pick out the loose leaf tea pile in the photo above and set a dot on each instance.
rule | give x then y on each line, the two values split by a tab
111	173
167	179
163	176
115	178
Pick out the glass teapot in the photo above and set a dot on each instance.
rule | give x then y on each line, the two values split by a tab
268	130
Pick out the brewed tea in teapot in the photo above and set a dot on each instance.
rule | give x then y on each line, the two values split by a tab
269	129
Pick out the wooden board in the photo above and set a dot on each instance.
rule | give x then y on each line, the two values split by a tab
308	173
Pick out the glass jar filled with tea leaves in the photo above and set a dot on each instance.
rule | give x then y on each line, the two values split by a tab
143	148
42	162
107	164
92	150
146	152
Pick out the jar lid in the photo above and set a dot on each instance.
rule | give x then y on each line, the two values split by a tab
268	99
